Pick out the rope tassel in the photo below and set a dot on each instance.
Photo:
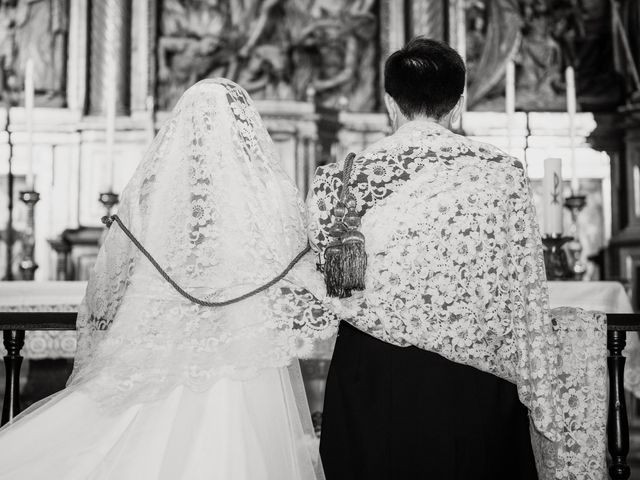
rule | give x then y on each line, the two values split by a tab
353	261
333	270
345	258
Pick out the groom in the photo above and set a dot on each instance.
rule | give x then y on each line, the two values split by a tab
400	412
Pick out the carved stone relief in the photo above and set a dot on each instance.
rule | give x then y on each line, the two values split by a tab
276	49
628	61
36	30
543	37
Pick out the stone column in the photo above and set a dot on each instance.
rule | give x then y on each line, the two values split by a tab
152	38
392	26
403	20
427	18
110	48
143	53
392	31
77	53
456	27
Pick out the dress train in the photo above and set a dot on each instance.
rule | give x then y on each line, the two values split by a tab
236	430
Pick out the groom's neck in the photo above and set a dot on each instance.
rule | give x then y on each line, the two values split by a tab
402	120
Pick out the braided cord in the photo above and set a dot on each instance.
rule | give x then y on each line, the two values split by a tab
346	176
109	220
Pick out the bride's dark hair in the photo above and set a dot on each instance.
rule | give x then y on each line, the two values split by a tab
425	77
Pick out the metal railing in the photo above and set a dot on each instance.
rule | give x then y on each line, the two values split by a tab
14	325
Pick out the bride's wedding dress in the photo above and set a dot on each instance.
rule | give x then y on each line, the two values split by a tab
234	430
162	387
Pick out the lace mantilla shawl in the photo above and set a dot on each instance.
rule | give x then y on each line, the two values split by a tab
456	267
212	204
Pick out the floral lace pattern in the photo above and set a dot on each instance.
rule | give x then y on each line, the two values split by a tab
581	388
455	267
213	206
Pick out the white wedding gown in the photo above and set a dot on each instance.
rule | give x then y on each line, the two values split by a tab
163	387
235	430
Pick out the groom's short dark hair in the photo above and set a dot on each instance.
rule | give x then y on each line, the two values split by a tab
425	77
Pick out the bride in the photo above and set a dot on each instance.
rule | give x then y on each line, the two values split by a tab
162	387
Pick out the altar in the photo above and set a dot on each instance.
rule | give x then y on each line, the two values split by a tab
607	297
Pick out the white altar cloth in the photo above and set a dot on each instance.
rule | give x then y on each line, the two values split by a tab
50	296
607	297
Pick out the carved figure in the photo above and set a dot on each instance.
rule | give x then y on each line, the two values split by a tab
627	57
543	37
193	45
259	26
502	22
539	60
7	48
276	49
339	46
264	75
41	29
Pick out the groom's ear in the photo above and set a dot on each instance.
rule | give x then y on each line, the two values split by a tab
392	108
456	111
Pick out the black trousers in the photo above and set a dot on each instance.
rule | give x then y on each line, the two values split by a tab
405	413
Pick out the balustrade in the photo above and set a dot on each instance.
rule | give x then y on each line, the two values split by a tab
13	326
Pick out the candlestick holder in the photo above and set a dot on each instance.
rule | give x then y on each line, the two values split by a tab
555	258
28	265
109	200
575	203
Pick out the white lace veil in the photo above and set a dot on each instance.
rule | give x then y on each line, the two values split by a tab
213	206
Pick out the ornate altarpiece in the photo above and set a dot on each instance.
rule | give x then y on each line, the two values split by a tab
313	65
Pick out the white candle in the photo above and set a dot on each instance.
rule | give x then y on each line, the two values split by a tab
152	118
29	101
552	196
570	81
510	99
110	132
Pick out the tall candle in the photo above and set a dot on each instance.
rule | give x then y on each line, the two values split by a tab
29	101
510	99
570	81
110	132
552	196
151	111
